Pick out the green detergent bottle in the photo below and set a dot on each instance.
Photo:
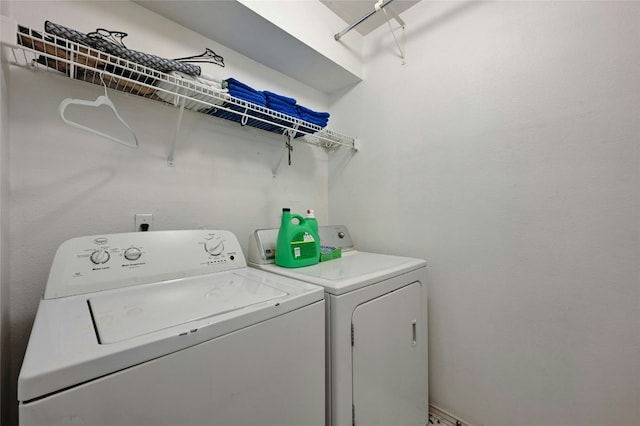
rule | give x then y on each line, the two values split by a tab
296	246
313	224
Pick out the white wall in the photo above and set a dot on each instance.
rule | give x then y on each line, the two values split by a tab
4	238
67	183
506	153
4	229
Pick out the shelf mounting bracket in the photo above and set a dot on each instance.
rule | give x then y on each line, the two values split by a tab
171	162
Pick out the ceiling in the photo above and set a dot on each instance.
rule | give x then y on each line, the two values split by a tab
268	44
352	10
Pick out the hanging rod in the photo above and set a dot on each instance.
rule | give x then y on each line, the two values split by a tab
361	20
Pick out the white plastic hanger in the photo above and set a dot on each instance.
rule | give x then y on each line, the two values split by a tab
101	100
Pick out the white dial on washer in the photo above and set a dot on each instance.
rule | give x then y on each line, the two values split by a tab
100	256
214	246
132	253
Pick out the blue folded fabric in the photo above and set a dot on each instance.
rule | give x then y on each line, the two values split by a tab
241	91
311	113
274	97
288	112
287	109
319	122
232	82
274	101
320	119
271	101
255	98
247	96
314	116
313	119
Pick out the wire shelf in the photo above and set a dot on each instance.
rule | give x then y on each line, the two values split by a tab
50	53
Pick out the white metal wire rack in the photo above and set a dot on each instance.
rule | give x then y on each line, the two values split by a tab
46	52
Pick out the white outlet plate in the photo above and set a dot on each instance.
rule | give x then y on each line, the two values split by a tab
142	218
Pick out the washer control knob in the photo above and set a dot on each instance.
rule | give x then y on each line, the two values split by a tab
214	247
132	253
100	256
341	234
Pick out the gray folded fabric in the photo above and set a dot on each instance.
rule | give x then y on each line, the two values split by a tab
151	61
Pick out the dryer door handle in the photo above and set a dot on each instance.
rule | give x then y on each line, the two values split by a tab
414	325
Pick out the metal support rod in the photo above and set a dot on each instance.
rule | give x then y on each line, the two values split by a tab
361	20
170	159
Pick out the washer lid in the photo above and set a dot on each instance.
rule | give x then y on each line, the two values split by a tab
352	271
145	309
64	351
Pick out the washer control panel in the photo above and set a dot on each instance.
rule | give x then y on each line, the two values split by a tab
101	262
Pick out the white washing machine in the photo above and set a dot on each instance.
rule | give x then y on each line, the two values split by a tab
377	367
172	328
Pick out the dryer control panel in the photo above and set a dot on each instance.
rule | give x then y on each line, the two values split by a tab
262	243
101	262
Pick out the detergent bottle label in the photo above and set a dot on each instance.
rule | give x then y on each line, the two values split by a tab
303	246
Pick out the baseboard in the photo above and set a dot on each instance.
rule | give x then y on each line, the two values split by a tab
438	416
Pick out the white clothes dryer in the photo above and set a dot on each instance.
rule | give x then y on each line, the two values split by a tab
172	328
376	304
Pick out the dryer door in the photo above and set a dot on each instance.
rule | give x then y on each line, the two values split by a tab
390	360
